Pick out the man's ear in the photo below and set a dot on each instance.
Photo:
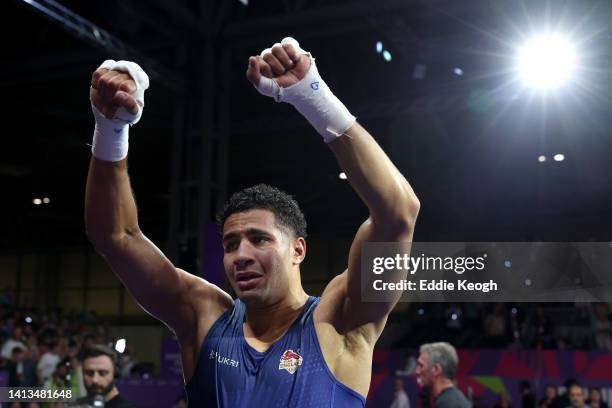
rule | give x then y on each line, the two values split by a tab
436	369
299	250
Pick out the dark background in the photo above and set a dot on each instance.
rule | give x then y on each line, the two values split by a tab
467	144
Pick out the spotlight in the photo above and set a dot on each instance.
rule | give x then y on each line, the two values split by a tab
507	263
120	345
342	176
37	201
379	47
46	200
458	71
387	55
546	61
28	319
542	159
559	157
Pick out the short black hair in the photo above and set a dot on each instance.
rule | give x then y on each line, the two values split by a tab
17	350
97	350
264	197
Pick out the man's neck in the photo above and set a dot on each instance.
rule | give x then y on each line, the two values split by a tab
440	386
112	394
268	323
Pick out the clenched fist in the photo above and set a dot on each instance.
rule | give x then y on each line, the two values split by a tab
111	90
285	63
289	74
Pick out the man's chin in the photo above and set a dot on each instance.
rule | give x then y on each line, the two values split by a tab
249	296
100	391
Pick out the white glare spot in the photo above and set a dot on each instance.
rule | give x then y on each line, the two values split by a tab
120	345
387	55
46	200
507	263
379	47
546	61
458	71
37	201
542	159
559	157
342	176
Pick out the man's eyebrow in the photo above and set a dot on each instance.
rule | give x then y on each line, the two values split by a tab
229	236
250	231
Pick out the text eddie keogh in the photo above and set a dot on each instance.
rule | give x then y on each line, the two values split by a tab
405	262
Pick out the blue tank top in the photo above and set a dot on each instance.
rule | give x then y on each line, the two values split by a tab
291	373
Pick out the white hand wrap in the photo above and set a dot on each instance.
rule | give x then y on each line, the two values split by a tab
110	140
312	98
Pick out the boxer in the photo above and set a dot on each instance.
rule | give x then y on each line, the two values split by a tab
274	345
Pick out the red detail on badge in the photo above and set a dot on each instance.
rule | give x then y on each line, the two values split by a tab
290	361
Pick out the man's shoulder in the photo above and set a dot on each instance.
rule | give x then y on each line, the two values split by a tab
452	397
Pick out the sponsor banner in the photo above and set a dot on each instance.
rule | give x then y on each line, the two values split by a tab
485	375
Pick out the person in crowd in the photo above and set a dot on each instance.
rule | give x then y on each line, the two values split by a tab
528	398
99	363
16	340
400	399
595	399
576	397
436	368
550	393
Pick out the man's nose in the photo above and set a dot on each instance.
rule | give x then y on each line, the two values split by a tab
243	255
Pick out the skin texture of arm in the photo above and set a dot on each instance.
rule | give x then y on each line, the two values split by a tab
393	208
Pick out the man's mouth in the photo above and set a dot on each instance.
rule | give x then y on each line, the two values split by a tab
247	280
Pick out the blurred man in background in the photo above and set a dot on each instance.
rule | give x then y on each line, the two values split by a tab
401	398
436	368
550	393
99	363
576	397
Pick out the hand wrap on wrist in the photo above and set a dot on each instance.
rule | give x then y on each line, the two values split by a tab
312	98
110	139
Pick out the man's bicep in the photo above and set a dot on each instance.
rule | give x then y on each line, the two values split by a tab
155	283
357	310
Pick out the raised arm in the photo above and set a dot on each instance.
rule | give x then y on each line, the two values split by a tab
289	74
393	208
168	293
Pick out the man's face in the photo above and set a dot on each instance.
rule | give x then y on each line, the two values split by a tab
17	333
259	256
576	397
550	392
595	396
98	375
424	373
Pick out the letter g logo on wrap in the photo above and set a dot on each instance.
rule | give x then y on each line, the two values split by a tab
141	79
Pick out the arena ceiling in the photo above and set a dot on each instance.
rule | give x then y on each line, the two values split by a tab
468	143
